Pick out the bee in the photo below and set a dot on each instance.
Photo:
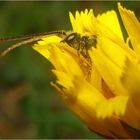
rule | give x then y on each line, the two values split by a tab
81	43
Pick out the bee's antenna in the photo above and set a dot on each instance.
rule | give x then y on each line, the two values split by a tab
28	36
32	38
16	45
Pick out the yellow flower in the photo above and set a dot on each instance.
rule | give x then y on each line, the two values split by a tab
105	92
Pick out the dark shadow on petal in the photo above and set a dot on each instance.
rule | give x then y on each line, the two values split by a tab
134	133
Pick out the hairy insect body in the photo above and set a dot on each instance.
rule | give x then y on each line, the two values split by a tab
81	43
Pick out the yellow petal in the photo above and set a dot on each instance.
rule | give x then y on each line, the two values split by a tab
132	26
110	20
131	81
76	22
113	51
45	44
63	79
116	105
109	71
60	58
107	30
82	22
49	40
87	103
96	79
73	22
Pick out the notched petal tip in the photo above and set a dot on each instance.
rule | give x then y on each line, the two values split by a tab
71	15
120	7
132	26
110	20
86	11
114	106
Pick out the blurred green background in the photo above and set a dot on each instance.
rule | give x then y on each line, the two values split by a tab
29	106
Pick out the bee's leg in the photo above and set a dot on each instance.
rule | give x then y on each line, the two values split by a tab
89	64
79	50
